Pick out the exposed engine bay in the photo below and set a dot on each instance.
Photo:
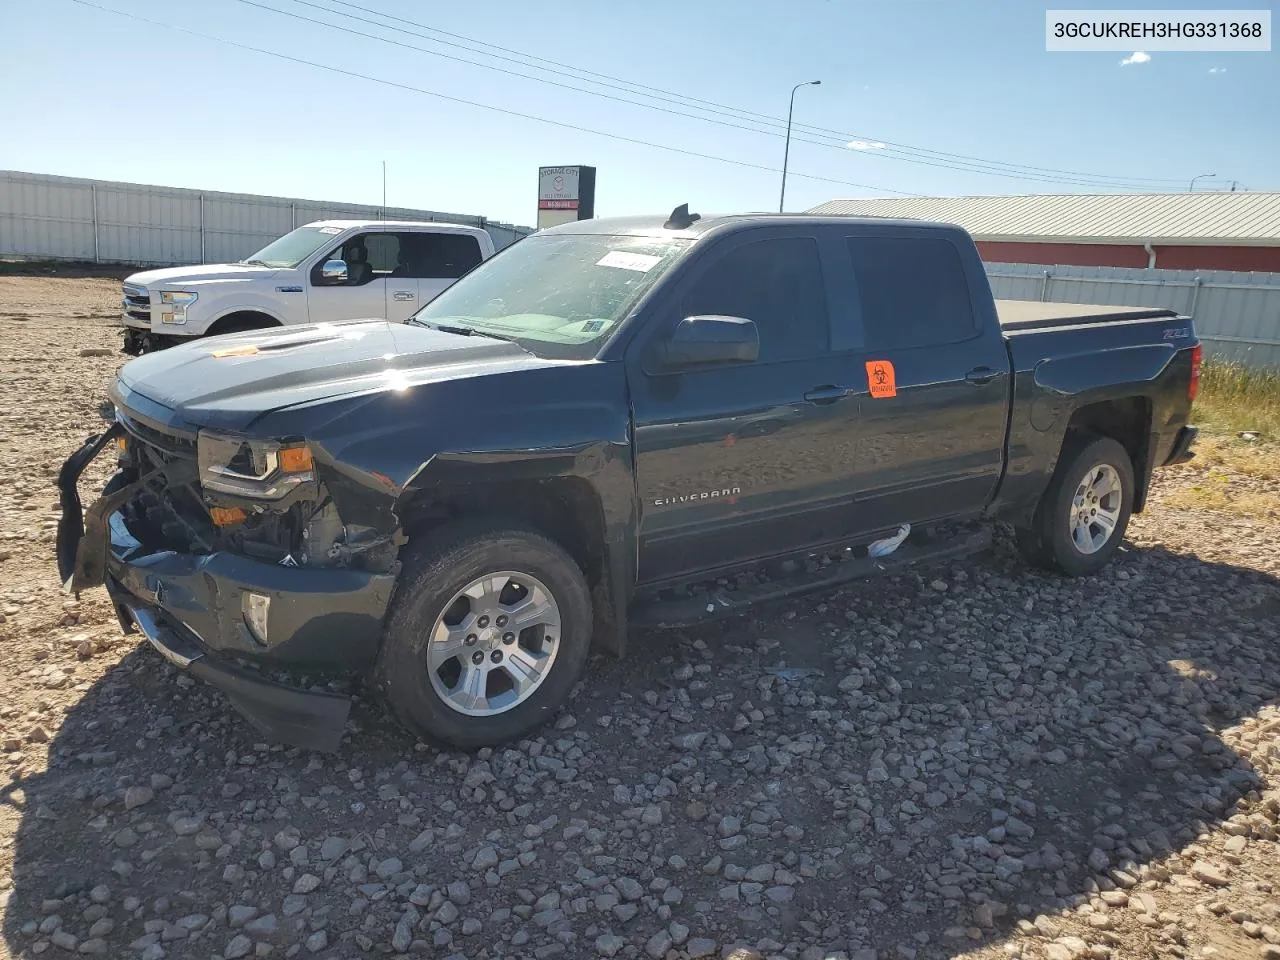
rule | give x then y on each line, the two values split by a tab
188	504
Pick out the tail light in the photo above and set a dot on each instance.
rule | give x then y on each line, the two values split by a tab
1197	352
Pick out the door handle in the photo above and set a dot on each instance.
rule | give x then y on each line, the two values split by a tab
828	393
402	295
981	375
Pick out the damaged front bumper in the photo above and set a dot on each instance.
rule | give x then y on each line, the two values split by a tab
203	612
310	719
140	340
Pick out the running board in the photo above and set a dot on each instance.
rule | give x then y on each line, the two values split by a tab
721	602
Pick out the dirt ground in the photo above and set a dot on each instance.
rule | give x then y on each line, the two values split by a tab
980	761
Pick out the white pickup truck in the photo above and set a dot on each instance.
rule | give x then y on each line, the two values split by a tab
323	271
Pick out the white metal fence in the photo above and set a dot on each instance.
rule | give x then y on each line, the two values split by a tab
1237	315
101	221
68	218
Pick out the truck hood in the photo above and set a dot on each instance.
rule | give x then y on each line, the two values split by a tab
200	274
233	380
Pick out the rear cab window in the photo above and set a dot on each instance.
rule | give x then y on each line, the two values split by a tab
913	291
441	256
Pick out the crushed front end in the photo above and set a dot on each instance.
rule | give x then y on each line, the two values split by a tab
230	556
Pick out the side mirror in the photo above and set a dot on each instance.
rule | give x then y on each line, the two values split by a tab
712	339
334	271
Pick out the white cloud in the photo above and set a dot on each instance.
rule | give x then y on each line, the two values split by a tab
1136	57
865	145
1217	69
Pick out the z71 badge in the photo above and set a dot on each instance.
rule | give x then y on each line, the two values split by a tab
1177	333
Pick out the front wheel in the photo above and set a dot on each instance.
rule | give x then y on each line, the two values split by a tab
490	630
1081	519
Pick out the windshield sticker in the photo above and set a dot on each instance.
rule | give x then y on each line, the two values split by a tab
639	262
880	379
330	230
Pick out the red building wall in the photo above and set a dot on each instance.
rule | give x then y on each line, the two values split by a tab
1263	259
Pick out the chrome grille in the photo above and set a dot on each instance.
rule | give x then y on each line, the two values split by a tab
137	303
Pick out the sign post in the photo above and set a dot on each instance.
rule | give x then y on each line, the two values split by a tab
565	194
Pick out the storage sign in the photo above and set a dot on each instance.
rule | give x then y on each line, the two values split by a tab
558	188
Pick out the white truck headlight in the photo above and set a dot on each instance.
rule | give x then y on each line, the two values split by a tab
255	469
174	305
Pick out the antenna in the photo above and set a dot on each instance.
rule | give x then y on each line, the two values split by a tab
384	190
681	218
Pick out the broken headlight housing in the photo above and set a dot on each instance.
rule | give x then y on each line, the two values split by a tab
254	469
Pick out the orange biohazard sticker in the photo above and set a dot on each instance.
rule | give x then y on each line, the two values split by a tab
880	379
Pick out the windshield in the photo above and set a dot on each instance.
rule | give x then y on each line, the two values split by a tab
557	295
294	247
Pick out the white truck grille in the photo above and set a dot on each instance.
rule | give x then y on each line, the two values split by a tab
136	304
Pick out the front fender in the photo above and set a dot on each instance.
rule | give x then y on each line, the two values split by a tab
583	496
236	296
436	451
257	306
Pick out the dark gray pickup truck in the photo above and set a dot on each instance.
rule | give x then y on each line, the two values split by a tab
458	506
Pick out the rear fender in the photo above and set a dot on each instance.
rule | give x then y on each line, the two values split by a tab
1048	396
1101	376
1121	375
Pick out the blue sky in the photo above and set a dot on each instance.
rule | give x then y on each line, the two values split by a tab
90	93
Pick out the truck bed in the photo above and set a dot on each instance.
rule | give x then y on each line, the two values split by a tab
1019	315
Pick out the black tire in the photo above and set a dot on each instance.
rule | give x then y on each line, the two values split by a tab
1048	541
449	560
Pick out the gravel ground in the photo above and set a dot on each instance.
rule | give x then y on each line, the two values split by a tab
981	761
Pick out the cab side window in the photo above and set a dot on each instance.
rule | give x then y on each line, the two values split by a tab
384	253
368	257
913	291
778	285
440	256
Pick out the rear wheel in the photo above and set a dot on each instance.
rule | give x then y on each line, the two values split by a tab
1081	520
490	630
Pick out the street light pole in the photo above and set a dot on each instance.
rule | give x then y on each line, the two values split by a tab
786	153
1198	177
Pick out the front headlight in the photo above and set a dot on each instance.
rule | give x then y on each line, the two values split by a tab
256	469
174	305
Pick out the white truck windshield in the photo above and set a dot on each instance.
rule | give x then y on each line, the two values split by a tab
294	247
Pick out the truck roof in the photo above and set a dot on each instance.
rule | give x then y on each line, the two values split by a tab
655	226
420	224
